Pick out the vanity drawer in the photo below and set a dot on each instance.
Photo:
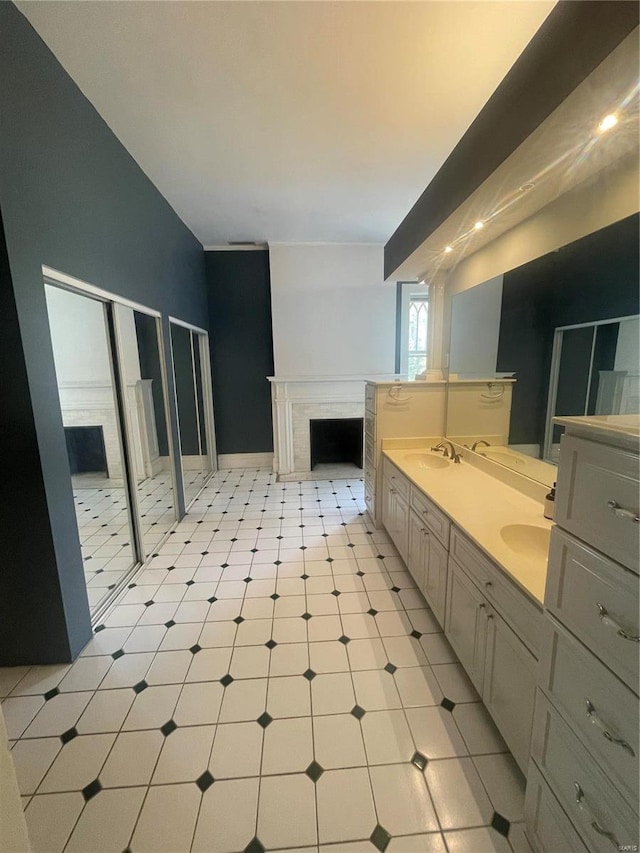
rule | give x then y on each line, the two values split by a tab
524	617
398	480
599	707
369	477
370	501
548	827
581	787
437	522
369	426
598	497
370	398
597	600
370	451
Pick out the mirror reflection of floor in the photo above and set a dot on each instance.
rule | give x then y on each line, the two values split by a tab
103	525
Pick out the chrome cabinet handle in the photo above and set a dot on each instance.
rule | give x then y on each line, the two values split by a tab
621	512
488	584
611	623
591	817
595	719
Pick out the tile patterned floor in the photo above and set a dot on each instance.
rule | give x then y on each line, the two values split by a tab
272	680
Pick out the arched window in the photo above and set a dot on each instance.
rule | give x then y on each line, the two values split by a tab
418	329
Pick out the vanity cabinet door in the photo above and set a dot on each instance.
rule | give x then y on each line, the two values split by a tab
435	576
509	686
388	505
466	623
418	550
395	517
401	526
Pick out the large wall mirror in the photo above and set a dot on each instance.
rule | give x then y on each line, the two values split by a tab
194	402
110	374
556	336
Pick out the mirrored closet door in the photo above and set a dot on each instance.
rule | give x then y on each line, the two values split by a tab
190	356
110	374
140	357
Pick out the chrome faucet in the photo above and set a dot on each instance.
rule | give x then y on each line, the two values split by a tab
481	441
455	457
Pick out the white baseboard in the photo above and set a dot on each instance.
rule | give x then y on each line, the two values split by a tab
245	460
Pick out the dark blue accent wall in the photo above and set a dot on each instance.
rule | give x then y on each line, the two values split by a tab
71	198
239	289
594	278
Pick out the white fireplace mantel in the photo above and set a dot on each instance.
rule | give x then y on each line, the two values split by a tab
296	400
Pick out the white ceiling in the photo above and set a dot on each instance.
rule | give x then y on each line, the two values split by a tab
288	121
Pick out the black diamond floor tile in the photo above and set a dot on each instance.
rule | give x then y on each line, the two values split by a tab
380	838
500	824
205	781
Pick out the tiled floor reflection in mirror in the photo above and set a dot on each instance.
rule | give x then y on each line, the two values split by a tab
272	680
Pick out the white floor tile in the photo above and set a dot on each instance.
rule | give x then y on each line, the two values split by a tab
481	840
50	819
167	820
435	733
338	742
332	693
106	712
345	805
387	737
209	665
376	690
478	729
40	679
431	843
78	763
86	674
504	783
199	704
291	795
132	759
152	708
237	749
58	714
32	759
185	755
458	794
289	659
107	821
455	683
250	662
402	800
330	656
417	686
227	819
288	696
18	712
243	700
288	746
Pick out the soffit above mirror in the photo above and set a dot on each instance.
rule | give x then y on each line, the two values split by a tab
565	150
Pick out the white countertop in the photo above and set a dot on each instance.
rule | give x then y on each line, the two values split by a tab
480	505
622	430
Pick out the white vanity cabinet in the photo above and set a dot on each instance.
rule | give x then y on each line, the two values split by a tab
493	627
420	532
501	667
584	771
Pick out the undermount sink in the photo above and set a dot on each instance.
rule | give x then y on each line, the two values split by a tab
427	460
502	456
527	540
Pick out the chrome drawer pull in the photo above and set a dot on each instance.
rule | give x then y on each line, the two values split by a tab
621	512
595	719
591	817
611	623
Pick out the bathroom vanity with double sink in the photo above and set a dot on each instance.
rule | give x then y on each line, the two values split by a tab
543	616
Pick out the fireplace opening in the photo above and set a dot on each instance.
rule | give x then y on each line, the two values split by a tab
337	441
86	451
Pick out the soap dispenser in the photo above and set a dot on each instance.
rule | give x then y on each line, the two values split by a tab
549	503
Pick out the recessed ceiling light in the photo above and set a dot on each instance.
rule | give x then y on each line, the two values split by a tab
478	225
608	122
448	249
526	187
